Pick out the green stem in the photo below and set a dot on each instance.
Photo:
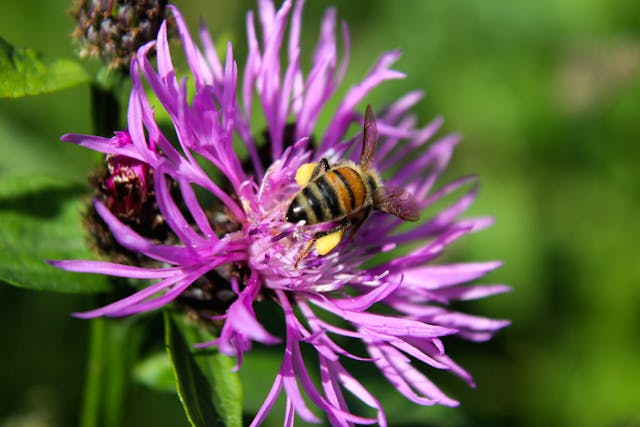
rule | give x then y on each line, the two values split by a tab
95	373
109	353
121	354
113	349
105	111
105	105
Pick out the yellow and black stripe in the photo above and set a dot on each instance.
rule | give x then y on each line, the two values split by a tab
336	194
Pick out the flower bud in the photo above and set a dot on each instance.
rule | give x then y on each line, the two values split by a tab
112	30
125	186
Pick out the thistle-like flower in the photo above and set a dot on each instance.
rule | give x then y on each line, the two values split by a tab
240	239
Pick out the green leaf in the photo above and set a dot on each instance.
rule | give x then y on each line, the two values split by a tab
156	372
40	219
208	389
26	72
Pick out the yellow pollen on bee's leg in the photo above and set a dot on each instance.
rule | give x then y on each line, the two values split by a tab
304	172
325	244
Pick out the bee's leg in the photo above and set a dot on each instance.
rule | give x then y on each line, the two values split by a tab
325	241
303	253
310	171
324	164
357	221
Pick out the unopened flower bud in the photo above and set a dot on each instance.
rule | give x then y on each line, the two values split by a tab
112	30
125	187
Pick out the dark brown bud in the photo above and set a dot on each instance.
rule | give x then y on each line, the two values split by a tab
112	30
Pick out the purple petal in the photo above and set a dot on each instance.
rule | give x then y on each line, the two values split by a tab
173	216
210	52
387	325
116	307
462	321
165	299
423	254
400	107
165	64
136	130
439	276
358	390
156	137
268	403
417	353
103	145
365	301
290	414
132	241
344	115
113	269
197	65
196	211
467	293
405	378
242	317
417	140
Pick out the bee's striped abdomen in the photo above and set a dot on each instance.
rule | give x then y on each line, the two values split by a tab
333	195
352	190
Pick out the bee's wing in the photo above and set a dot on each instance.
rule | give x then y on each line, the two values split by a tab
369	138
397	201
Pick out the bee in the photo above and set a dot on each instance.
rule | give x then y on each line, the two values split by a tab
346	192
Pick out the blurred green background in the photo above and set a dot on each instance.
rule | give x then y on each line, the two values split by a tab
547	97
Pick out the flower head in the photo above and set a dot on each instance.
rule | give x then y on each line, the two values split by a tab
241	235
112	30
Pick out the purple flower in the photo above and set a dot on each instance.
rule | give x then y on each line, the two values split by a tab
246	239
